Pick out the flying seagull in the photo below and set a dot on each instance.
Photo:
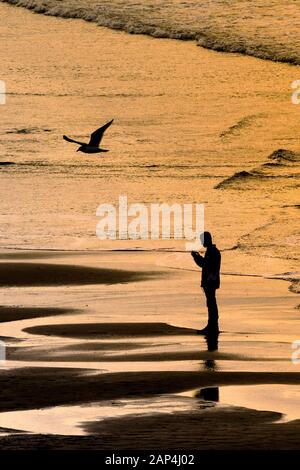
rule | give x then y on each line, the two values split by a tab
93	145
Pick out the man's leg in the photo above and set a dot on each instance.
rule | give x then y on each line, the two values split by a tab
213	314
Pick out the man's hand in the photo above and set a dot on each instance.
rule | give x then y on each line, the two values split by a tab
199	260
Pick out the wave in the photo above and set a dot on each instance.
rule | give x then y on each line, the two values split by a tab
241	124
281	159
295	287
236	178
283	156
93	95
260	29
293	278
27	130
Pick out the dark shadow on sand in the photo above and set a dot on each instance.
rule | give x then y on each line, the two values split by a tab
10	339
39	387
234	428
38	274
33	255
105	330
8	314
231	429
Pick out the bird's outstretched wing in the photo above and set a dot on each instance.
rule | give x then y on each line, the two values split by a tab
97	135
72	140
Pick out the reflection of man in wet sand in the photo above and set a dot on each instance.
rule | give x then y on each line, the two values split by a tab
210	281
210	394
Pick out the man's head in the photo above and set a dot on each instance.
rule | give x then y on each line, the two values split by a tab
206	239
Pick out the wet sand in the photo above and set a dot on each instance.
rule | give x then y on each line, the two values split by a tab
128	364
215	430
37	274
19	313
171	140
101	347
61	386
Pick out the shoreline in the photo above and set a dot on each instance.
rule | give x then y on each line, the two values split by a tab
140	26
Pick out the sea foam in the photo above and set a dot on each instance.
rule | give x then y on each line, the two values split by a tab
268	30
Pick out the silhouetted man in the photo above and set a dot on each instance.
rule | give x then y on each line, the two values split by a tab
210	280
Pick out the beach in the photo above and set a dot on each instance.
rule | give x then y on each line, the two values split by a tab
100	336
99	365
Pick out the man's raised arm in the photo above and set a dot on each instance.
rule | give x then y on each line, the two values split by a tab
199	260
